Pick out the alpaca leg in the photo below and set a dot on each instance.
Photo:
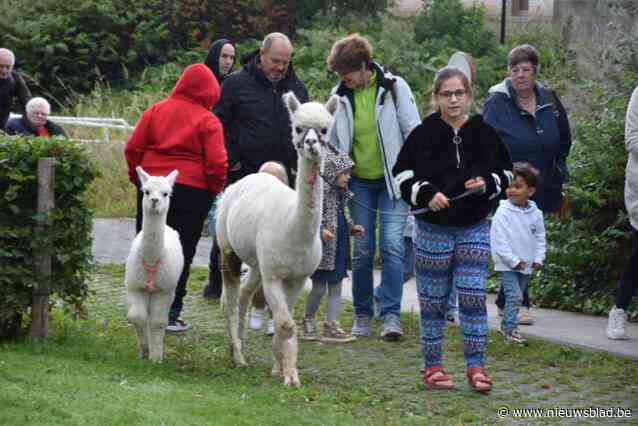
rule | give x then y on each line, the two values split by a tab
246	292
137	303
158	320
291	291
230	266
284	342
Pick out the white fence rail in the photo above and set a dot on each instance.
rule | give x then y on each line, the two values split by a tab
96	122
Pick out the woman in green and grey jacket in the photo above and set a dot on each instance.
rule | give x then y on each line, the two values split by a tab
376	114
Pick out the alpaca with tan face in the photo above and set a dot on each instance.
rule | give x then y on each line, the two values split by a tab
275	231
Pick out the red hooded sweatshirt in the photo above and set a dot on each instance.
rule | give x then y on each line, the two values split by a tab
182	133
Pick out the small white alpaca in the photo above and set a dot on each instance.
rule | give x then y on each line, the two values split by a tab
153	266
275	231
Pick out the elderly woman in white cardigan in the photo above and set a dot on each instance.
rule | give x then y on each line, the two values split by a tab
617	316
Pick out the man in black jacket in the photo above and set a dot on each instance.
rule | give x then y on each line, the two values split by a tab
252	111
12	86
256	121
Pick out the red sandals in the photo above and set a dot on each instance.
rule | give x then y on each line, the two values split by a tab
437	381
478	379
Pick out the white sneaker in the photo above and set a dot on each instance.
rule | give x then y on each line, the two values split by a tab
270	330
256	319
616	325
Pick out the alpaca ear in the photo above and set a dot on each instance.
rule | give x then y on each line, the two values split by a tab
142	174
172	176
291	102
332	104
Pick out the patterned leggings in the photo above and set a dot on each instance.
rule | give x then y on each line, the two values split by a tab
446	256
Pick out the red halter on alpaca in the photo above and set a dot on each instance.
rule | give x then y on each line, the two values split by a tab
149	285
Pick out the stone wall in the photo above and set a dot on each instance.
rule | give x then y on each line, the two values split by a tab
603	33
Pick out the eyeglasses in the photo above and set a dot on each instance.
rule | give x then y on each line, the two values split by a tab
460	94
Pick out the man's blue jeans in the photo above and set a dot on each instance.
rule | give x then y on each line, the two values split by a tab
370	198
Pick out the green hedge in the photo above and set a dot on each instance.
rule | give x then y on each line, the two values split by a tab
68	239
587	252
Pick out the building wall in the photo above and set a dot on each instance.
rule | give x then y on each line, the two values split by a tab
539	10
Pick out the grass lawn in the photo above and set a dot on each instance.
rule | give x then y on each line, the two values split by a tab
89	374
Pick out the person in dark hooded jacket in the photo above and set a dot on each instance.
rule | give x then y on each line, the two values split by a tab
180	132
220	60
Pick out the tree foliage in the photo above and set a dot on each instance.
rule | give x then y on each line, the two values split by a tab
449	23
307	10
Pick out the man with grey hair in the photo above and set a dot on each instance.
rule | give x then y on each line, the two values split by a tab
12	86
256	122
36	121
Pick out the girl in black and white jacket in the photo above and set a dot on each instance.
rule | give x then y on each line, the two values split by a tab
450	170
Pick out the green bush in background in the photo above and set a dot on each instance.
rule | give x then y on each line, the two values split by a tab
587	252
448	23
67	239
66	46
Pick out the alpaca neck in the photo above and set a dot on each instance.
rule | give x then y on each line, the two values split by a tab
309	187
152	236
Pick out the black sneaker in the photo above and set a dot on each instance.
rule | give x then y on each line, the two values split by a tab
211	293
177	326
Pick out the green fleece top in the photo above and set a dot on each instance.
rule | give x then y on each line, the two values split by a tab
366	150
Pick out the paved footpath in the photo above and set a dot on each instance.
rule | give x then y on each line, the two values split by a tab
112	239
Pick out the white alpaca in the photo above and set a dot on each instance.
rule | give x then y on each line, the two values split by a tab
275	230
153	266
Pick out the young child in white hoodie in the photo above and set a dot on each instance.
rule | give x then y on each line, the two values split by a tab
518	244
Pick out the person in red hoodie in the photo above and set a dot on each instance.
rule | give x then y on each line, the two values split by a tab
180	132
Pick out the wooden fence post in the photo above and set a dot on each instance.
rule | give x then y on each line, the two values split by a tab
46	201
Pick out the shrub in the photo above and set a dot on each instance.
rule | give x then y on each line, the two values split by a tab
306	11
390	47
448	24
586	254
67	239
68	45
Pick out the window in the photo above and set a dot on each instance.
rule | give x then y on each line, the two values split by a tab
520	7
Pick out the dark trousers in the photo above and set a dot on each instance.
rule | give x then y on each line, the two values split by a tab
214	274
188	209
214	286
629	281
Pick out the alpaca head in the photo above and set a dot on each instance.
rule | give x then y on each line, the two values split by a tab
311	124
156	191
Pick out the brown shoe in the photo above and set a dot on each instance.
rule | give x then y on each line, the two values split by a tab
309	329
333	333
